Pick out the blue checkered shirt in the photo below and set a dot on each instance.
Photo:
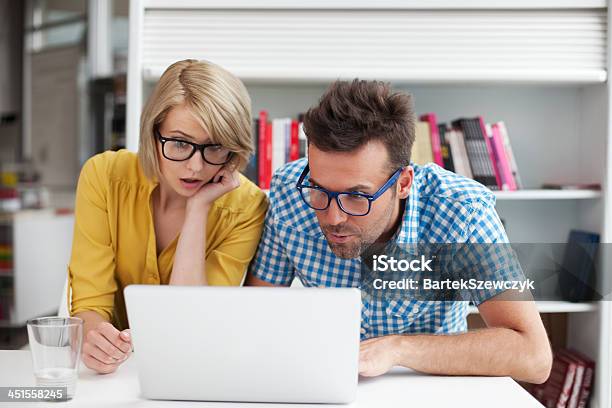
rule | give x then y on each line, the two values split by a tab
442	208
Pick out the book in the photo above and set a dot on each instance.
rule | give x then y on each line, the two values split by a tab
447	157
503	132
483	130
436	145
422	152
577	271
569	384
287	130
277	141
558	386
261	149
501	159
479	151
587	379
279	144
461	162
576	386
294	150
303	140
268	156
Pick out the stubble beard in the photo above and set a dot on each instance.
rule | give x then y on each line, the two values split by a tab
362	240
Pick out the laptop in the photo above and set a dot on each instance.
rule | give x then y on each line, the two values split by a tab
245	344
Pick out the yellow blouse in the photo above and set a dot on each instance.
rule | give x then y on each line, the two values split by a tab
114	241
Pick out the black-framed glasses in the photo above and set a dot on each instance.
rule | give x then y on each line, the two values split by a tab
352	203
181	150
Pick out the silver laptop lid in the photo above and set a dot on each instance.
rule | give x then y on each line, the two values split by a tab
246	343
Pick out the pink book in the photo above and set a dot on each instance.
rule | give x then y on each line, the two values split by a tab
294	151
501	160
510	154
268	163
483	129
261	156
436	145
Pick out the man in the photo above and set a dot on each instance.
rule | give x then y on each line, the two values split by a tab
357	189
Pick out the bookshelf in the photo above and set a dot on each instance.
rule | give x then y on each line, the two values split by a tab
541	66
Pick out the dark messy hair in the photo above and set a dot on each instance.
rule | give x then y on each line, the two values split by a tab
351	114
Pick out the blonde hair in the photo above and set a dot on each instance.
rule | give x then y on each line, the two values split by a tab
218	100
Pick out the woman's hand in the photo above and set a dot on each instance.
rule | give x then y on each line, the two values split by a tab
223	182
105	348
189	262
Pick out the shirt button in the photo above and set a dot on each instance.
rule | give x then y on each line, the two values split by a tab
362	330
415	309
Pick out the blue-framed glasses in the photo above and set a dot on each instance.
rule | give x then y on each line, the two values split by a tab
352	203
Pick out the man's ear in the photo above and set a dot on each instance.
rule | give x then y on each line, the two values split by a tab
404	182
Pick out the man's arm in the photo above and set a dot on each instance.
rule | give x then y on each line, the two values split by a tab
251	280
514	344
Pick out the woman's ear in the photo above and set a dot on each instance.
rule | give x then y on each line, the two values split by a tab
232	165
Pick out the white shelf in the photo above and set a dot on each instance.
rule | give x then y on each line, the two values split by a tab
548	195
383	4
407	76
556	307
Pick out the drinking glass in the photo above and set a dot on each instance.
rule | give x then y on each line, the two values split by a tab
55	343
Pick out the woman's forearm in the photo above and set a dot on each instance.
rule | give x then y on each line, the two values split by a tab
90	319
189	259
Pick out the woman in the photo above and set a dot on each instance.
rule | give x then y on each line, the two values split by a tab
178	213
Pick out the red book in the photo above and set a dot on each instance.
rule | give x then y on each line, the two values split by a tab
261	148
294	149
580	368
436	144
483	129
559	385
587	379
268	150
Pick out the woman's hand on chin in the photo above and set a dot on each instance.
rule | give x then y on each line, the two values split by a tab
223	182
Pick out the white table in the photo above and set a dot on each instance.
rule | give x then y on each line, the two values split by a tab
399	388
